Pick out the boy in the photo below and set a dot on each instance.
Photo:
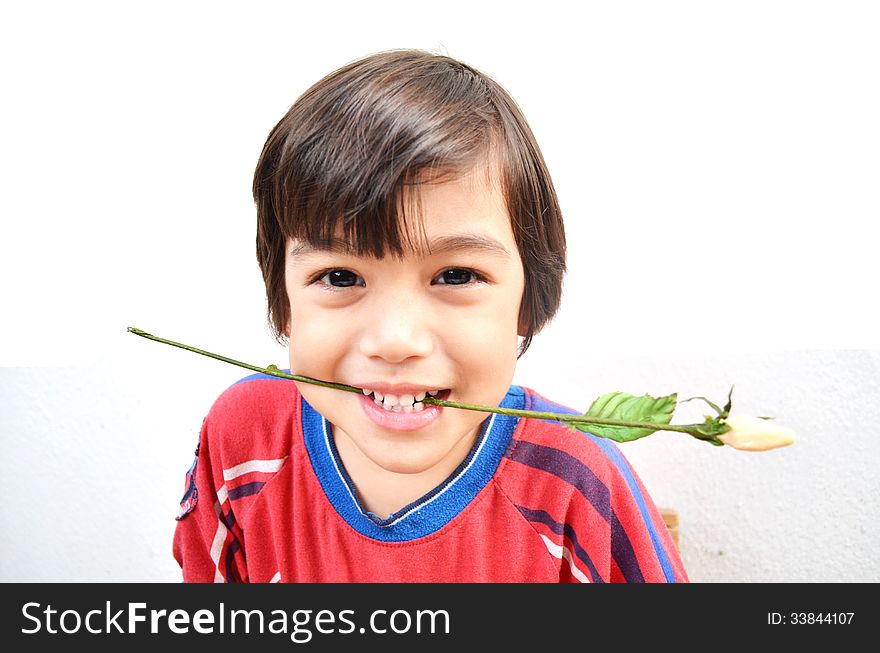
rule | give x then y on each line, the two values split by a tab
409	236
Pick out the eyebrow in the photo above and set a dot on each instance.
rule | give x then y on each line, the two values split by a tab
441	245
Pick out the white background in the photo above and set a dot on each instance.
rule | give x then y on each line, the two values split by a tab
717	165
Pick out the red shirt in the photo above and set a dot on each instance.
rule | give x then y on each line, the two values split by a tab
535	501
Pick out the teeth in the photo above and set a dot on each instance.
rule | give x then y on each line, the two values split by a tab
402	403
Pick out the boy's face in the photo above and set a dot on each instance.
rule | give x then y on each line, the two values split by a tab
444	320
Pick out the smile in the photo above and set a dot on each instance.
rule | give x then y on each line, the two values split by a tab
403	403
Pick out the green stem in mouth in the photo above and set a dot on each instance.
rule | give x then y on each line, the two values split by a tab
566	418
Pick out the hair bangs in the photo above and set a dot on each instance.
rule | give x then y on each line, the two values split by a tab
346	167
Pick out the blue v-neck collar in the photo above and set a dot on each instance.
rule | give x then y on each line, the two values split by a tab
432	511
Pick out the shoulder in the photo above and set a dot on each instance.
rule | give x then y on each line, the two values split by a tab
256	392
551	445
253	418
255	399
582	496
567	462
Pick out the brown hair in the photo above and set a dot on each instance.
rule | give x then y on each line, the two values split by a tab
349	147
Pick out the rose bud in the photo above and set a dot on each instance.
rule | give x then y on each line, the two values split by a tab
755	434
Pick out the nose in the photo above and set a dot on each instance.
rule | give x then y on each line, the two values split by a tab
397	328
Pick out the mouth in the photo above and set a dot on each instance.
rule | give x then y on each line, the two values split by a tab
404	403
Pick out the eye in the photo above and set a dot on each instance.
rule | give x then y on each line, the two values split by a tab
456	277
341	279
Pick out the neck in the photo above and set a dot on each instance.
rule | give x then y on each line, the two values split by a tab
385	489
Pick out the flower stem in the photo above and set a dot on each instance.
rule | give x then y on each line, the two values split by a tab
558	417
536	414
271	370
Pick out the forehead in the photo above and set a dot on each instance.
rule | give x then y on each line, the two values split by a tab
467	204
466	212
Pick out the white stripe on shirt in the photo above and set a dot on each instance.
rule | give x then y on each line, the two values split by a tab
253	466
563	553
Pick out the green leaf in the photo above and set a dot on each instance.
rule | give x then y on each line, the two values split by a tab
629	408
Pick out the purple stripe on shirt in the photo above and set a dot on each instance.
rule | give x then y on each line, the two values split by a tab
571	470
561	528
230	561
245	490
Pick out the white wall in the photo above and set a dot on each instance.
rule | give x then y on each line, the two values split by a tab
717	164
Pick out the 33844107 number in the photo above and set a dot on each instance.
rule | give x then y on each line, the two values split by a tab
809	618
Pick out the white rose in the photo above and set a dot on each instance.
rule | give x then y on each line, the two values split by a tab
755	434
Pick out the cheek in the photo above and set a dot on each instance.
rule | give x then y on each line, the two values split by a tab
486	341
313	343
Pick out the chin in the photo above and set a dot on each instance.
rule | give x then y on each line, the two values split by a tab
414	464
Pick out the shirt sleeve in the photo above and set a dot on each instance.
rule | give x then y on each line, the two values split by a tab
207	539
